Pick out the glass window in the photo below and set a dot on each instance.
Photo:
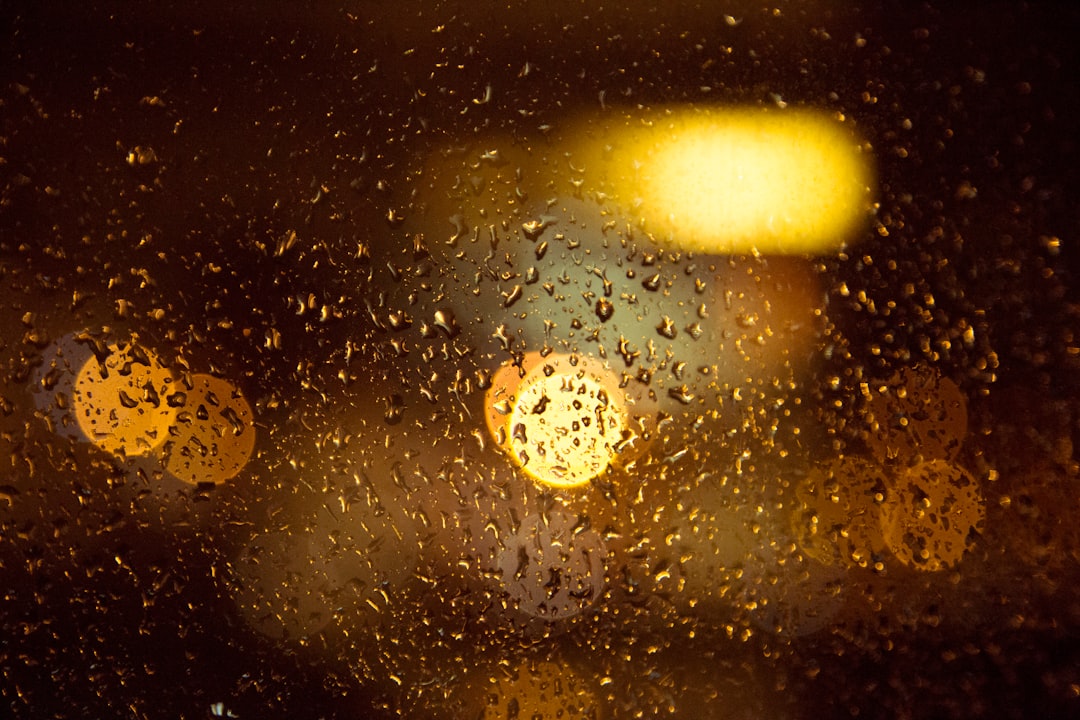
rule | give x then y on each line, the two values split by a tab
546	360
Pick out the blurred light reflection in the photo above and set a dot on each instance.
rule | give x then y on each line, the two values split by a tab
563	418
213	436
916	412
740	180
121	400
934	516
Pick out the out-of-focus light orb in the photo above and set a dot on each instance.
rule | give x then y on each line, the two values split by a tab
567	426
752	180
566	420
837	516
916	412
934	515
213	436
121	402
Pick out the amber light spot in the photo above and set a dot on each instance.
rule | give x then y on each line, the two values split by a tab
120	400
564	422
213	436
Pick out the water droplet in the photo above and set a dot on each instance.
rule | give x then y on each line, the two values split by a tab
667	328
395	410
604	309
446	321
512	297
682	394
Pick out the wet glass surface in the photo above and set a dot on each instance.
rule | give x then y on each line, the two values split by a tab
545	360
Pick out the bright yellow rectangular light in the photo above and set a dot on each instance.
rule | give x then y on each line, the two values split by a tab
743	180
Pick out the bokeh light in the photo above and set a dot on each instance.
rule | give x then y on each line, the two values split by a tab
742	180
564	422
916	412
934	515
213	436
122	400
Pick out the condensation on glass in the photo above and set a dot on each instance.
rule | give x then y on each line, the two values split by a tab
553	361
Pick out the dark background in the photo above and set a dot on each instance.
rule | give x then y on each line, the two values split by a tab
277	116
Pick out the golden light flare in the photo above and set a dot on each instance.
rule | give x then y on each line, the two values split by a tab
742	180
120	397
121	401
563	419
213	436
933	516
567	427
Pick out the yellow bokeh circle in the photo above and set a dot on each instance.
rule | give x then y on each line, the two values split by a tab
933	516
837	516
564	419
121	401
213	436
